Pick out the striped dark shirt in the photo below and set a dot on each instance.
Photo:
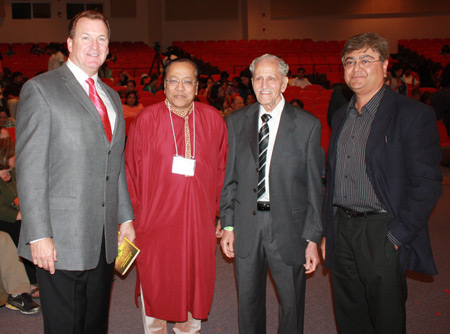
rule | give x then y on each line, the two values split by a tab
353	188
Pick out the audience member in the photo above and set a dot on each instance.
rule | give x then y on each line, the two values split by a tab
246	87
5	120
131	107
300	80
14	280
104	71
130	87
123	78
235	87
175	201
440	100
152	85
12	91
416	94
250	99
410	78
57	58
297	103
397	83
381	188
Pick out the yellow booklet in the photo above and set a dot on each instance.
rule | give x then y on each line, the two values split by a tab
127	254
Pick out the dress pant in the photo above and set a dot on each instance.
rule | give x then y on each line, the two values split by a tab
251	277
77	302
369	286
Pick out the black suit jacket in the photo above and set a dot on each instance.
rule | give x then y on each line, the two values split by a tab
402	158
295	182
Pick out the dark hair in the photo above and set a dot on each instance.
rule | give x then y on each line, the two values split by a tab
299	102
6	152
181	60
16	74
395	68
132	81
135	94
89	14
368	40
301	69
445	76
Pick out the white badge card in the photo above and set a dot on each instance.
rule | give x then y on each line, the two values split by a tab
183	166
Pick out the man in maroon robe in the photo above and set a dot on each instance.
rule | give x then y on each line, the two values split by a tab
175	157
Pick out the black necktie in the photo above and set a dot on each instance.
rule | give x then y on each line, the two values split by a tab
262	158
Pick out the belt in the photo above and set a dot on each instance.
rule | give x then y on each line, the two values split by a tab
263	206
354	214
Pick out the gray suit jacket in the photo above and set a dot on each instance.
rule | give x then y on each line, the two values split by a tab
71	180
295	182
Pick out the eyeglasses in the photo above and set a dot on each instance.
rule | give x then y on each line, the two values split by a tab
362	62
185	83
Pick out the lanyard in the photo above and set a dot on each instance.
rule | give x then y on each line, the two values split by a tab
173	130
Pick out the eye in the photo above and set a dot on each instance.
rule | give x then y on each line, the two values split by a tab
349	63
187	82
365	62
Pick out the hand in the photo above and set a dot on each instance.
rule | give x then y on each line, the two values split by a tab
227	243
312	257
323	247
43	253
219	231
126	230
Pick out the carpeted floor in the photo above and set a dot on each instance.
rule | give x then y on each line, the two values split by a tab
428	305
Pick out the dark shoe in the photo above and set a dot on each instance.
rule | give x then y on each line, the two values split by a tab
23	303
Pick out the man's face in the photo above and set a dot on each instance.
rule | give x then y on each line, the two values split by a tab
18	79
238	103
89	46
268	83
131	100
181	95
365	80
301	74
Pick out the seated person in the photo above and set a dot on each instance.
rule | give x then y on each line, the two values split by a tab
411	78
5	120
235	86
397	83
14	280
131	86
131	107
123	78
250	99
300	80
152	85
12	91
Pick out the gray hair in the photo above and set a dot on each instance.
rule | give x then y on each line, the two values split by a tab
283	68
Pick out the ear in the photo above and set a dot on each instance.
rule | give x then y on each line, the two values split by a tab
385	67
285	83
69	44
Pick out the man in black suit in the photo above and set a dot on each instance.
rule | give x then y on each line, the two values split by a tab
383	182
271	200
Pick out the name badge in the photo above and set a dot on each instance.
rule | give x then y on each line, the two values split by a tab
183	166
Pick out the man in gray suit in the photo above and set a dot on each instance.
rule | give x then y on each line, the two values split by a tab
72	183
271	200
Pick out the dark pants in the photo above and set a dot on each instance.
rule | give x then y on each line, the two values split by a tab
368	285
251	276
76	302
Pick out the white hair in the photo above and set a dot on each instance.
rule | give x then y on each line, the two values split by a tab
283	68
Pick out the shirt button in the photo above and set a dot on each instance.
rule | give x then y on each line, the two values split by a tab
107	178
254	213
254	190
103	204
109	152
348	157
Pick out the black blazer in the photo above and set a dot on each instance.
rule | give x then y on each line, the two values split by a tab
402	158
295	182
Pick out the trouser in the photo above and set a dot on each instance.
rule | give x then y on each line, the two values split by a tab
12	273
369	286
77	301
159	326
251	277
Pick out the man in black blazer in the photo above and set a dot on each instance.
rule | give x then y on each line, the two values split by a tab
383	181
271	200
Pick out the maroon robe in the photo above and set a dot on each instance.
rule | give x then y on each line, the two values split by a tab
175	214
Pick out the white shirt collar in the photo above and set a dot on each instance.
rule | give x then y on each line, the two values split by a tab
275	113
79	74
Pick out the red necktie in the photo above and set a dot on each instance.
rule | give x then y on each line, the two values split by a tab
98	103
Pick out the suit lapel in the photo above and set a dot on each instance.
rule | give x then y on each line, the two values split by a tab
251	127
285	129
380	124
